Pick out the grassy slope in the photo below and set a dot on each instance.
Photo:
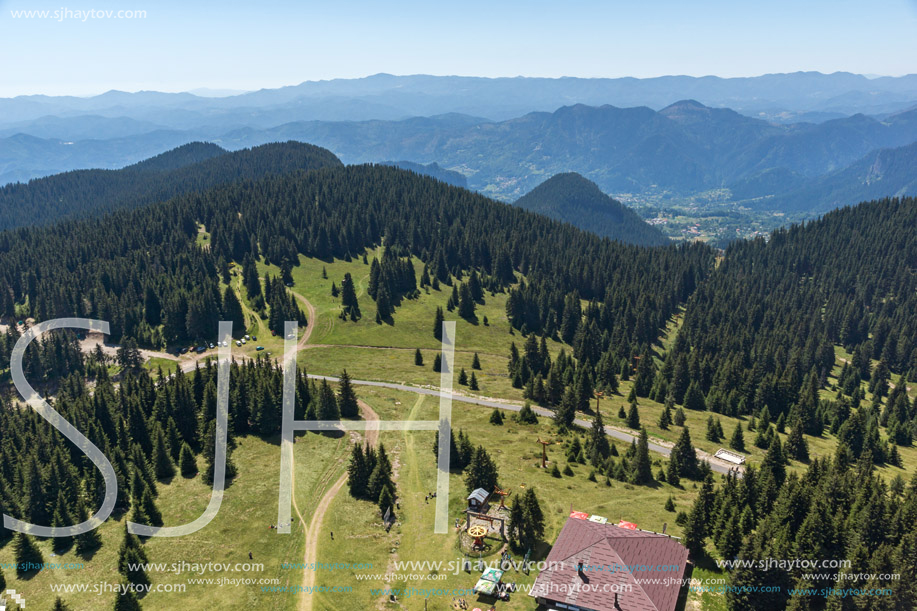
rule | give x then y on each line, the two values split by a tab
359	536
242	525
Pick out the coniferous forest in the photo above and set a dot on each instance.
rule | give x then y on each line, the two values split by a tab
763	324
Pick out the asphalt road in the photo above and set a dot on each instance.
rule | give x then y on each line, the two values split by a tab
716	467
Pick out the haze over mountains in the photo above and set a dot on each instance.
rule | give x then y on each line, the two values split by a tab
795	96
804	149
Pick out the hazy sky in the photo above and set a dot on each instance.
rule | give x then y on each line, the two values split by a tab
247	45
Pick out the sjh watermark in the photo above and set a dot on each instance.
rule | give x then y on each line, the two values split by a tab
10	595
443	427
84	15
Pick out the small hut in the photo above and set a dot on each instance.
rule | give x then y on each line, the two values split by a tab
477	500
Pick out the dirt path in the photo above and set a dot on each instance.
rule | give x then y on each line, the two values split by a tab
94	339
310	317
314	530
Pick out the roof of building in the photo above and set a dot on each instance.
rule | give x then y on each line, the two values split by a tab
612	556
480	495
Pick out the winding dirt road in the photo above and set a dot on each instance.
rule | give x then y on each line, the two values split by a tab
313	531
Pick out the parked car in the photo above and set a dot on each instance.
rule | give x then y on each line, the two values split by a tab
211	345
259	348
238	342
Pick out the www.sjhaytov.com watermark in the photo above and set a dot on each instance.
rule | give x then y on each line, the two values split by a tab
67	14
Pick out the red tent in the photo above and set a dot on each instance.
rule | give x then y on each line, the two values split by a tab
579	515
629	525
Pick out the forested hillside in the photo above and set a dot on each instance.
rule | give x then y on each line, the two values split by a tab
141	270
192	167
573	199
759	334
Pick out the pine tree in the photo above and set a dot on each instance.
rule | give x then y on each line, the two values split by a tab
438	324
473	383
526	415
712	432
349	298
633	417
463	377
679	418
437	363
357	472
685	456
730	540
127	601
27	554
774	462
566	413
642	467
162	461
531	529
481	471
384	307
669	505
737	441
150	510
386	499
516	523
694	398
90	540
418	358
665	418
59	605
796	446
232	311
476	362
496	417
60	518
328	408
695	532
466	305
598	441
347	398
671	473
250	277
187	462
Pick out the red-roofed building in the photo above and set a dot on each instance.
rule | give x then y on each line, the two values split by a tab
603	567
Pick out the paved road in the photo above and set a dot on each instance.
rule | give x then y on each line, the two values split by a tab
513	407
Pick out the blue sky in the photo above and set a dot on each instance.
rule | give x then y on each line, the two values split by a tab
243	45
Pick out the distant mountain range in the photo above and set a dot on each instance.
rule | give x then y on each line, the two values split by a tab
573	199
679	151
800	96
